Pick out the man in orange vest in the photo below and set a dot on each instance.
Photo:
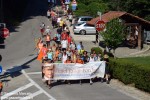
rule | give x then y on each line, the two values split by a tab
68	60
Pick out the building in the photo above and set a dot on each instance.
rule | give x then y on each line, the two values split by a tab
136	26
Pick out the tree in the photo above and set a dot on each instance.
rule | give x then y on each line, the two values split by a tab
94	7
140	8
90	7
114	34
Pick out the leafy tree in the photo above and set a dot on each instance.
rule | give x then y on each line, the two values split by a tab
94	7
114	34
90	7
140	8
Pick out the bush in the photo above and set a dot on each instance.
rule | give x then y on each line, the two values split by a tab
97	50
131	73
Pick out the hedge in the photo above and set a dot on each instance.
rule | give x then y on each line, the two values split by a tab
131	73
97	50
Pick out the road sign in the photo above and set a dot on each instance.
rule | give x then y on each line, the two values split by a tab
4	32
1	69
100	25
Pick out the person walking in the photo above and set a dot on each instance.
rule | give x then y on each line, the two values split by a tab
64	44
70	17
107	68
48	39
48	30
50	54
48	14
42	29
79	46
64	56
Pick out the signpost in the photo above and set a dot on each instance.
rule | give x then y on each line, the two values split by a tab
4	32
1	69
100	24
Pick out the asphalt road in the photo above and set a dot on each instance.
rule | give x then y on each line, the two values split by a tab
26	84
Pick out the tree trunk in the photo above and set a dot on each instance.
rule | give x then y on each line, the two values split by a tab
114	53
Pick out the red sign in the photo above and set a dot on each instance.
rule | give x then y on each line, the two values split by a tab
4	32
100	25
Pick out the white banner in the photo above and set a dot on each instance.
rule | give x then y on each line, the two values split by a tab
74	71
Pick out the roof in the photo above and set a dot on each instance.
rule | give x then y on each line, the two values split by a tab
129	18
107	17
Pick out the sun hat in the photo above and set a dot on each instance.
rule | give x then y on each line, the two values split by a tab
106	56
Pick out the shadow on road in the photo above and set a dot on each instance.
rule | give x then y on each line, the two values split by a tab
16	70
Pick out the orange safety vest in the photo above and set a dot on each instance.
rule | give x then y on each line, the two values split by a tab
68	61
80	61
56	53
40	45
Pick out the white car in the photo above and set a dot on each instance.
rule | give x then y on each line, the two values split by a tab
83	29
82	19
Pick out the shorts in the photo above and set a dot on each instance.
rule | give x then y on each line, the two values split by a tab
70	20
42	30
63	49
58	42
48	17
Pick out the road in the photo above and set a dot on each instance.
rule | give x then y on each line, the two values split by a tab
26	84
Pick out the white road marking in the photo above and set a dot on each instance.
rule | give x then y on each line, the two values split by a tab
35	84
32	73
32	95
16	91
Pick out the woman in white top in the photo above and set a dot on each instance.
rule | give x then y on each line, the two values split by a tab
64	57
92	58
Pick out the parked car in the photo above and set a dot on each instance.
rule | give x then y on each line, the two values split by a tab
83	28
82	19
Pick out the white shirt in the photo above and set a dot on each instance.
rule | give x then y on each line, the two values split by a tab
42	25
64	58
67	7
64	43
58	19
48	13
72	46
69	16
91	59
47	30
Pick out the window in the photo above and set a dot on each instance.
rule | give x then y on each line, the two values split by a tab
83	19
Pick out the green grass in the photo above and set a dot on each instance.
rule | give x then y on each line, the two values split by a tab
144	61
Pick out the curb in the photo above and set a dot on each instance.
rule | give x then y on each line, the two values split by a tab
148	48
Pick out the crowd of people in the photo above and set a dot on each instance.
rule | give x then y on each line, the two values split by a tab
59	47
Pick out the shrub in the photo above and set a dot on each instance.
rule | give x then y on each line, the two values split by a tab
131	73
97	50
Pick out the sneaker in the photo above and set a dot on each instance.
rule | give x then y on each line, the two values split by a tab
91	82
107	81
80	82
50	87
102	80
